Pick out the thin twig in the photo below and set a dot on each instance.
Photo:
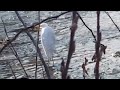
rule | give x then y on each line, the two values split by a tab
11	69
72	43
97	47
9	42
13	49
86	26
38	23
112	20
37	45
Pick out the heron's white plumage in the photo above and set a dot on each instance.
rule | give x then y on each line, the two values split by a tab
47	40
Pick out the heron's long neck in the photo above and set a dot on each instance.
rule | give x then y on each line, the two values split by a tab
42	31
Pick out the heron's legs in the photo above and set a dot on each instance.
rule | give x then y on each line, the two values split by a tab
49	62
53	61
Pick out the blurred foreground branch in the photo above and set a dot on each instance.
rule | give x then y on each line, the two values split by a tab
71	44
97	47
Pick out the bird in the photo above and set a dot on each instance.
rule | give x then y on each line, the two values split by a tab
47	40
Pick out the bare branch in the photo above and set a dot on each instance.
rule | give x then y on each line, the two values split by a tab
37	46
5	45
86	26
35	24
112	21
13	49
11	69
97	47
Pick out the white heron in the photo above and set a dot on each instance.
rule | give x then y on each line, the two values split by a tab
47	40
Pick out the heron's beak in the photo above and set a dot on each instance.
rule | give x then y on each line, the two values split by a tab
37	28
40	27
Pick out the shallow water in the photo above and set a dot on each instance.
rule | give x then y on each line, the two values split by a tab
84	44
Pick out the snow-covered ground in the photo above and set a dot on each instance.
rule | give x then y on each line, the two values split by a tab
109	66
